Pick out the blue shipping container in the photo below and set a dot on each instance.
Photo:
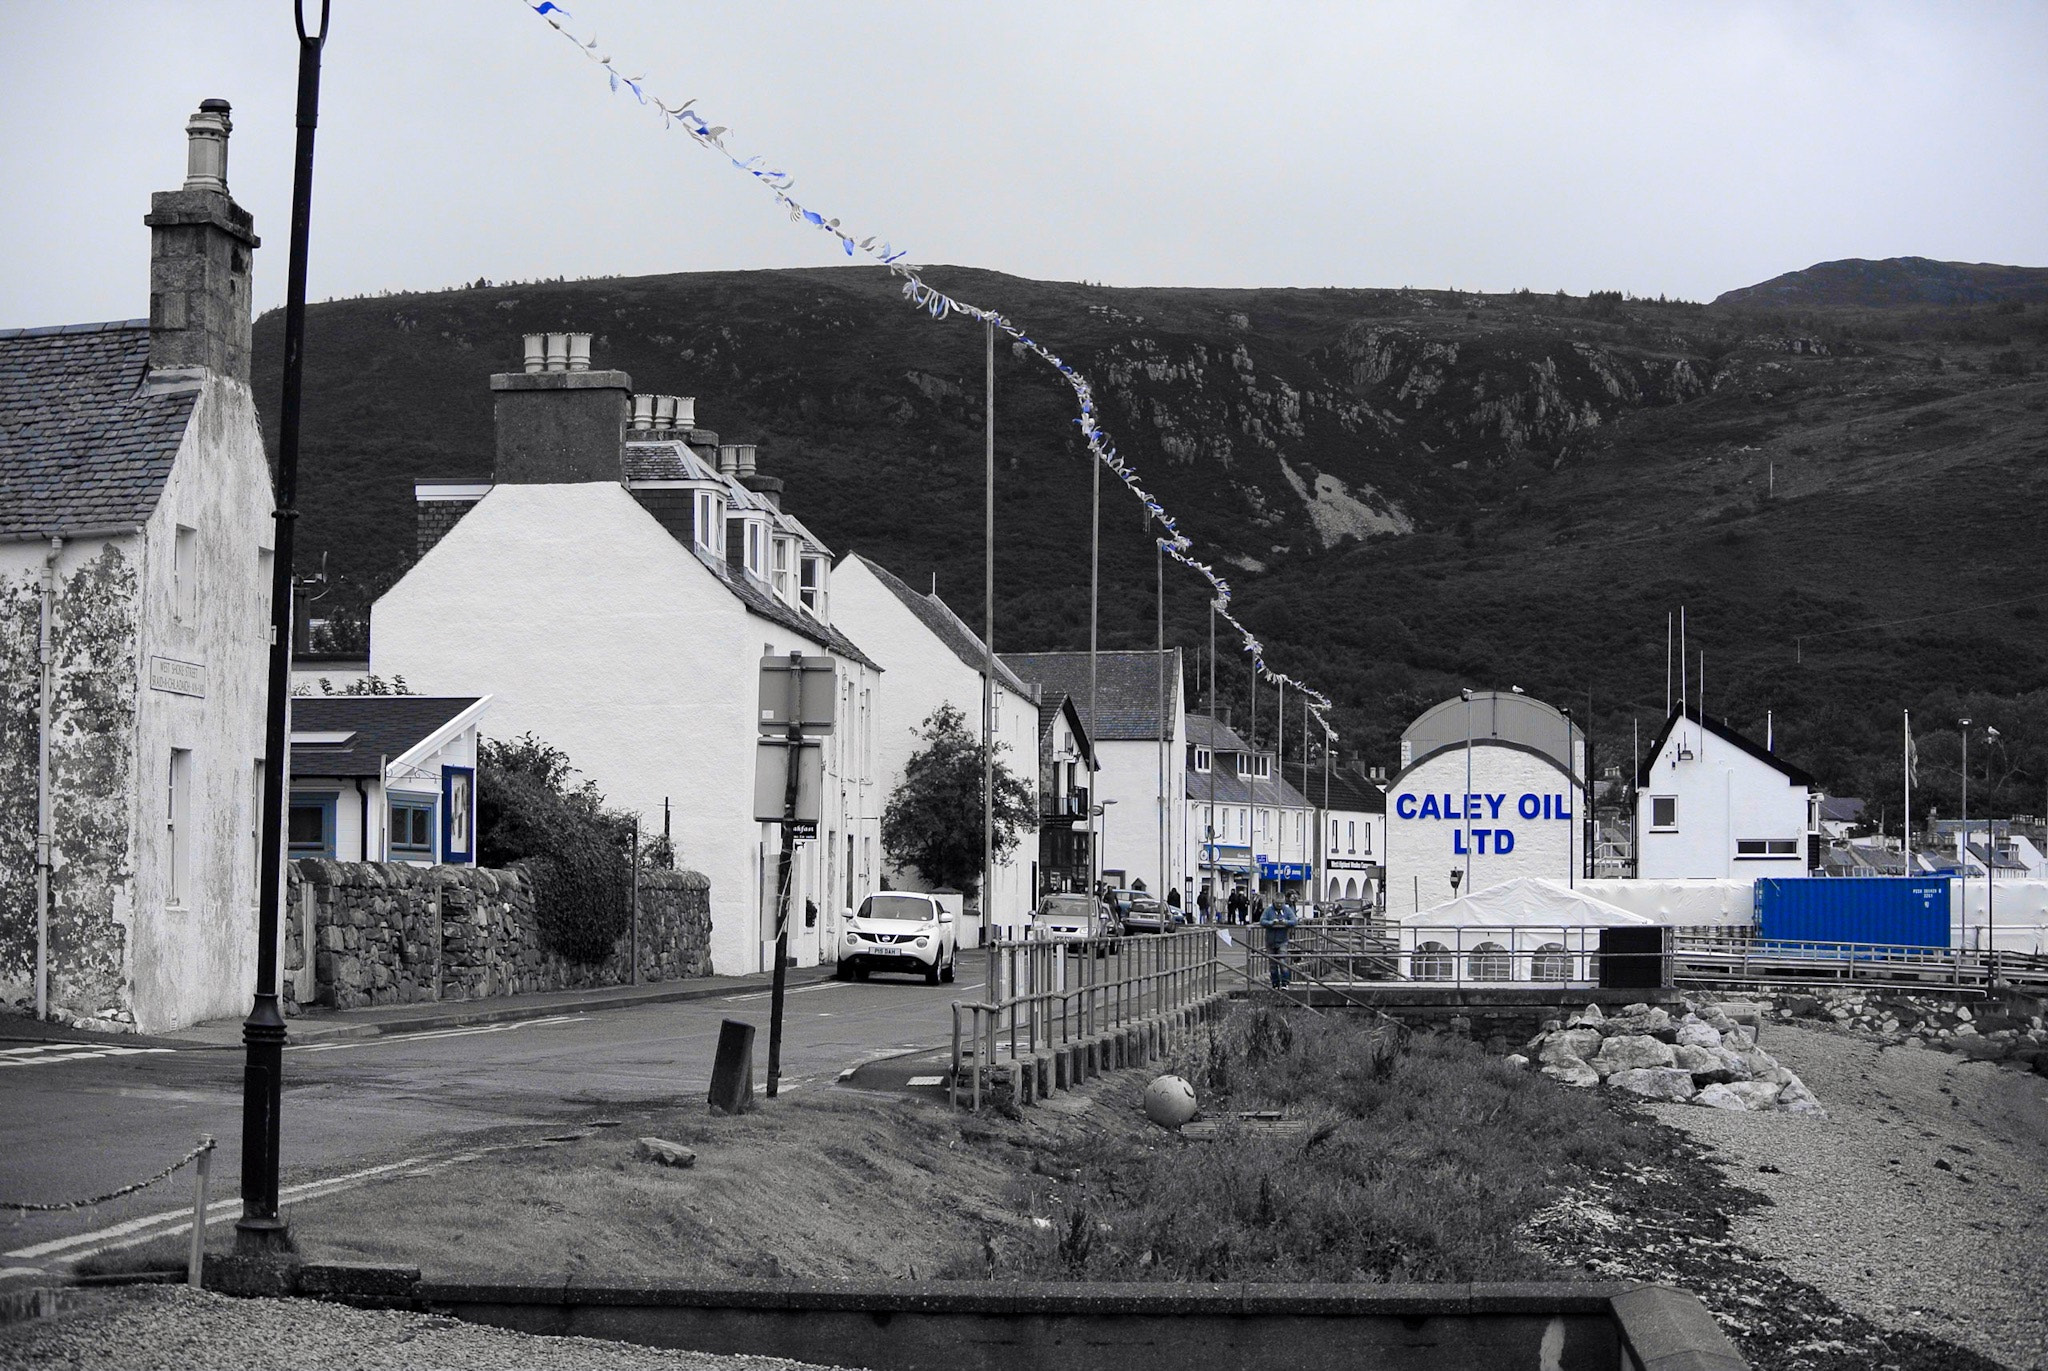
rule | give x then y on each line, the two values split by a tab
1900	911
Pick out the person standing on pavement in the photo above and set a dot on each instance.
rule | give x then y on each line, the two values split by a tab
1278	919
1203	901
1173	915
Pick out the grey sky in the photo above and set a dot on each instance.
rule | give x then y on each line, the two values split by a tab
1674	148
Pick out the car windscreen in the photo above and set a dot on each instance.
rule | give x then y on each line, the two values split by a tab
1067	907
914	909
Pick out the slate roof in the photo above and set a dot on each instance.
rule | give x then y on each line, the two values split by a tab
1841	809
665	461
1348	791
83	446
385	726
758	599
1232	789
1203	731
1127	689
1049	707
1645	773
947	627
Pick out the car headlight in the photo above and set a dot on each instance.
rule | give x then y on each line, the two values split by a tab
850	936
922	941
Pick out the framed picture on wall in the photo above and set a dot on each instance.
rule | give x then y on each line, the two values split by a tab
458	815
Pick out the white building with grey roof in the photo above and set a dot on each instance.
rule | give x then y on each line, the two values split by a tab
1244	825
135	530
1132	710
933	659
614	586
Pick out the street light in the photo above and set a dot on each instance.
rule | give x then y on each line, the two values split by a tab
1963	846
1990	875
1465	800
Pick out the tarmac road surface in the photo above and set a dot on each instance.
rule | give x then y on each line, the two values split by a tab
79	1119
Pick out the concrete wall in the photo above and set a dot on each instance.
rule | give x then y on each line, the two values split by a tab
389	933
1514	790
921	673
124	953
595	630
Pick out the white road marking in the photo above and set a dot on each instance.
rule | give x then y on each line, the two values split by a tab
56	1054
767	994
471	1032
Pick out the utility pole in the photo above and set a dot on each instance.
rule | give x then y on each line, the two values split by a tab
261	1229
988	643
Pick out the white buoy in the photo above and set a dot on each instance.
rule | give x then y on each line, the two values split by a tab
1169	1101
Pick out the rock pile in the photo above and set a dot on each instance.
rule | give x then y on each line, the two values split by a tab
1703	1057
1992	1031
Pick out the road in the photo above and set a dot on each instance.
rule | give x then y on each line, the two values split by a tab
77	1121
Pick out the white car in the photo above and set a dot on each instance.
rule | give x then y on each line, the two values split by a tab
1072	919
898	931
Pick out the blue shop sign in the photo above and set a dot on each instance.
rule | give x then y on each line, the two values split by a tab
1287	871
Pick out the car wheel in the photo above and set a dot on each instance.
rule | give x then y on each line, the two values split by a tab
931	973
860	973
843	971
948	974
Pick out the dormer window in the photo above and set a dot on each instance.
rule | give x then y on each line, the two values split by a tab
784	581
710	522
757	550
811	585
1244	764
1202	760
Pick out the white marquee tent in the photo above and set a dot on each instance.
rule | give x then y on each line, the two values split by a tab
1526	929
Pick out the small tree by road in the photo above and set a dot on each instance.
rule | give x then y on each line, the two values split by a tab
932	823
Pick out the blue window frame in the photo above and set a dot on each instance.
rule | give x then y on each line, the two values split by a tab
309	826
410	834
458	815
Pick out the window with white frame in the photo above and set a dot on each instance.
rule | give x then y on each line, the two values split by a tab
1263	766
1663	813
811	585
1334	839
1368	839
710	526
1351	835
757	555
785	556
185	572
178	826
1766	847
1243	825
1202	761
1265	825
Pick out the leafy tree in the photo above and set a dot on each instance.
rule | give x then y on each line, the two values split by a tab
531	809
933	821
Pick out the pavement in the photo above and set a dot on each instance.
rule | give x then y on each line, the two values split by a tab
364	1090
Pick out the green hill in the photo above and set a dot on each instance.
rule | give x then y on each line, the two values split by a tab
1409	490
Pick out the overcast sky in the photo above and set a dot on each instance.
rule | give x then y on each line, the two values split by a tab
1655	148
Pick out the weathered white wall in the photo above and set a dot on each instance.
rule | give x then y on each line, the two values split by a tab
921	673
595	630
1129	775
198	961
1361	838
1724	795
1425	828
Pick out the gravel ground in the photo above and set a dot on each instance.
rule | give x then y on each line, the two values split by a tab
1921	1204
171	1328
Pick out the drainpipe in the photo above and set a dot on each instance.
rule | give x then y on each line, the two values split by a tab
363	810
46	661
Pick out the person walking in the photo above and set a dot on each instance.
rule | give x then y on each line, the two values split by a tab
1173	915
1278	919
1237	905
1203	901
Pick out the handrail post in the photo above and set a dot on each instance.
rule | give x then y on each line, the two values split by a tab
953	1081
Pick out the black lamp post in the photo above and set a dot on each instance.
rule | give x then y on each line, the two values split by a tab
260	1229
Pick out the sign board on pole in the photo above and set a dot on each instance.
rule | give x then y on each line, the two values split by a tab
771	782
804	830
820	693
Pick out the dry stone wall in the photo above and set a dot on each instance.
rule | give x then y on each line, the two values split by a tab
386	933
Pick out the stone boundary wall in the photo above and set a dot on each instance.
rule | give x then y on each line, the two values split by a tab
376	933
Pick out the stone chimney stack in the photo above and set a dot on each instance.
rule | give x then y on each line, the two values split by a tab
558	421
201	248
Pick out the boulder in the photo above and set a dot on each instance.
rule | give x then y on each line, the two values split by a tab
663	1152
1655	1083
1632	1052
1591	1014
1698	1034
1572	1071
1649	1023
1517	1061
1577	1043
1741	1096
1698	1061
1795	1098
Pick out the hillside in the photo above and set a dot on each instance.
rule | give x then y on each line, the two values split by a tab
1895	283
1410	490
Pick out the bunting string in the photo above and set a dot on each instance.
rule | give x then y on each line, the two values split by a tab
921	294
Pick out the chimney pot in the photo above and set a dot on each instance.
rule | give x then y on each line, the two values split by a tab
206	147
729	459
686	411
643	411
558	352
536	352
743	455
579	352
665	411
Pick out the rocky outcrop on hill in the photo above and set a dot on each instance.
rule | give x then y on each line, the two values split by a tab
1702	1057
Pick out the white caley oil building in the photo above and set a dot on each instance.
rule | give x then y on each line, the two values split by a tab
1491	788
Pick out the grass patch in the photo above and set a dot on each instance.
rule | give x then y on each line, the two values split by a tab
1423	1157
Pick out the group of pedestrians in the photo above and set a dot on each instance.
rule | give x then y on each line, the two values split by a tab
1243	907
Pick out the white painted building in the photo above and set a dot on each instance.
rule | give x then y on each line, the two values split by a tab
384	778
1245	825
933	659
614	590
1711	803
1140	742
1491	787
135	505
1351	818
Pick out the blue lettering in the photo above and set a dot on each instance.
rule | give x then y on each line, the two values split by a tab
1493	803
1429	808
1563	813
1458	842
1528	807
1404	806
1503	841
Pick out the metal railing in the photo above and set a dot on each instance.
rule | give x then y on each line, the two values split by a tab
1738	957
1047	995
1362	958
